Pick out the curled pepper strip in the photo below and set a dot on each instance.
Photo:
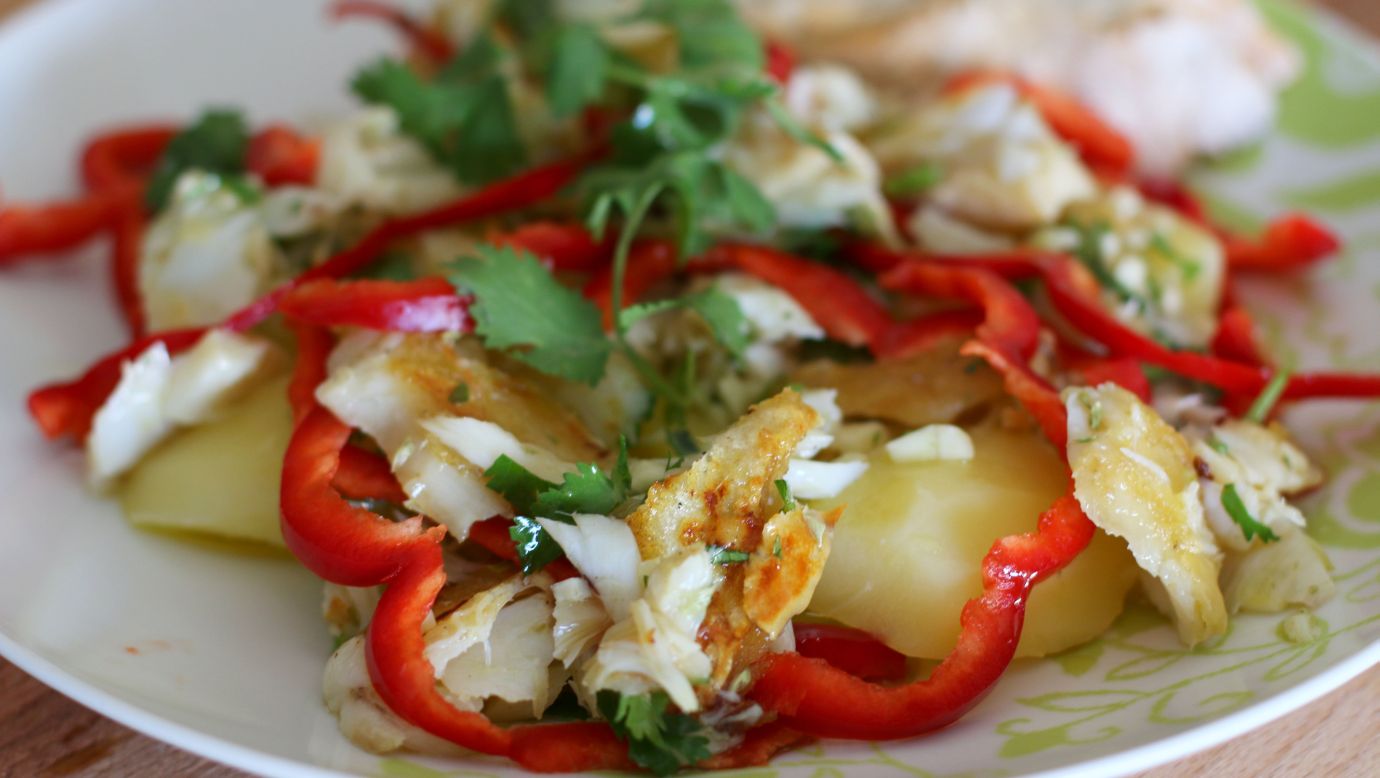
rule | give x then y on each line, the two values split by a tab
908	338
426	41
559	246
55	227
279	156
124	158
425	305
850	650
814	697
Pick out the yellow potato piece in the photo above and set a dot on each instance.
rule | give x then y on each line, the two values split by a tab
907	552
219	478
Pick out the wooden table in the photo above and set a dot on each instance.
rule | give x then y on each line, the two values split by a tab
43	733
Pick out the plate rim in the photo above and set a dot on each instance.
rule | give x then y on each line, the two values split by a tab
1147	756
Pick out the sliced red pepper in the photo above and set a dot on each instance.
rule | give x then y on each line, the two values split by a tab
560	246
66	409
55	227
1009	323
364	475
814	697
851	650
309	368
1288	243
428	42
1094	370
339	542
780	62
1033	392
833	299
279	156
1235	337
1104	148
395	650
124	158
128	238
425	305
908	338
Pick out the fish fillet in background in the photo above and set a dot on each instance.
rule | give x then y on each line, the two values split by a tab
1180	78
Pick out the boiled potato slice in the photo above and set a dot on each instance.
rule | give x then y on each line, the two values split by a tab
907	551
219	478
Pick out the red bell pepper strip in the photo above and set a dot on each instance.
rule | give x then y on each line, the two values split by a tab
814	697
334	539
279	156
55	227
780	62
1094	371
394	648
309	368
850	650
428	42
124	158
1101	146
67	409
833	299
908	338
425	305
128	239
1235	337
1009	323
1033	392
364	475
1289	242
559	246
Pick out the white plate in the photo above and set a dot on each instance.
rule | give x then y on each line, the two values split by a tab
221	654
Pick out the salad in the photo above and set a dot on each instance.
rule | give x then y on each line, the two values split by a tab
650	395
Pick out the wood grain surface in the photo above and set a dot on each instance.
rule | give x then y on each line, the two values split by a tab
43	733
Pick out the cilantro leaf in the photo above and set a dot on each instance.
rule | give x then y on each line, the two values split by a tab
535	546
659	740
710	34
518	485
1236	509
720	311
216	142
465	118
579	69
519	305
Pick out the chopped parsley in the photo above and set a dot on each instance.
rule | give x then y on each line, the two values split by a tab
722	555
461	393
1189	267
776	547
913	182
216	143
658	739
1269	397
1236	509
787	500
1215	443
